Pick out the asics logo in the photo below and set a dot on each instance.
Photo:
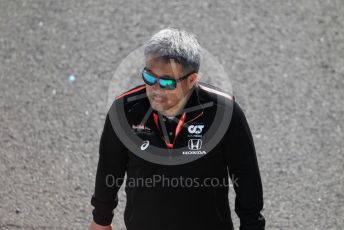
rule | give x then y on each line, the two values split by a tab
144	145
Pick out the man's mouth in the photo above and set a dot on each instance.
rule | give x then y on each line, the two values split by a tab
158	99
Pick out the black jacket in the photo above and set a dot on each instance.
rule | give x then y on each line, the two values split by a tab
204	205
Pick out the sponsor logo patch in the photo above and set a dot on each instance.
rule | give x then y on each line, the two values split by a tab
195	144
144	145
195	129
141	128
194	152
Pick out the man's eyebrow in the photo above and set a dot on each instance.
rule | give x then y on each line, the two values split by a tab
164	76
168	77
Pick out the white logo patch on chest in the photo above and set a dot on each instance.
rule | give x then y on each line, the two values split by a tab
145	145
195	129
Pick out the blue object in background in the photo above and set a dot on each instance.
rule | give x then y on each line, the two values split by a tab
71	78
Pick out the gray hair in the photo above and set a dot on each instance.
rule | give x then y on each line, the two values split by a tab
176	44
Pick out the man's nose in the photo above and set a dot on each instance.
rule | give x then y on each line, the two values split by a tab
156	86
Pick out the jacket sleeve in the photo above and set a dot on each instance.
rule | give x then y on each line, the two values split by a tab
112	165
243	170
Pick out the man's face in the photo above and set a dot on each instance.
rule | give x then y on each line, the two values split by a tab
161	99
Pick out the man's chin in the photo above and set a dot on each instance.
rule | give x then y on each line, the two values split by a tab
158	107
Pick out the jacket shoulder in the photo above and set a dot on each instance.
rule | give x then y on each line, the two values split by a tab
135	91
212	93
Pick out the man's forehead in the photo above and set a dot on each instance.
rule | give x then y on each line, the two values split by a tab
159	65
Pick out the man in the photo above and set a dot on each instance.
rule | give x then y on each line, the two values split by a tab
171	87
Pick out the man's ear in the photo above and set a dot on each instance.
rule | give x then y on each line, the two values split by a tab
192	79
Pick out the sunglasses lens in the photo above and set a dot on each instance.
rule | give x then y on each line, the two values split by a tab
167	84
149	79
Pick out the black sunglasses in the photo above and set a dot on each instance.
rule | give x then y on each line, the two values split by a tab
165	82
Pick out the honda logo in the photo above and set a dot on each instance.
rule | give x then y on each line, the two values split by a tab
195	144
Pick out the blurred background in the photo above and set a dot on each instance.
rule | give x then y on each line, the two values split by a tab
285	60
